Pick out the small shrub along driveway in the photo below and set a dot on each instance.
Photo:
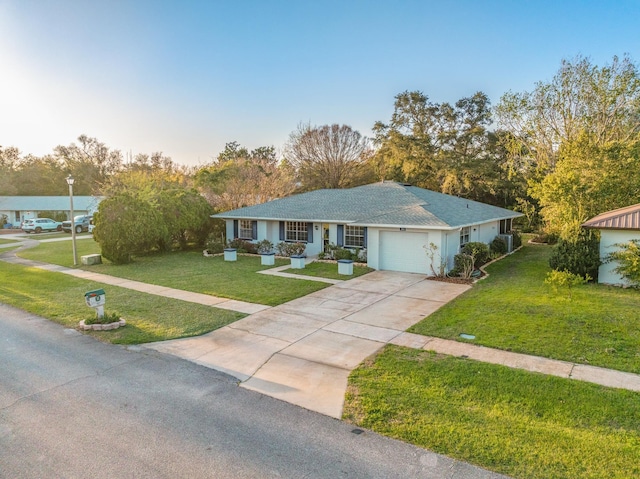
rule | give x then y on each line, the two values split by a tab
513	309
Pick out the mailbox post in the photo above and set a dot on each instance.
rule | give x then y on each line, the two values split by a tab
95	299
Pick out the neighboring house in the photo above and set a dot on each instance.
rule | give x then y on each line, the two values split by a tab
617	226
393	221
20	208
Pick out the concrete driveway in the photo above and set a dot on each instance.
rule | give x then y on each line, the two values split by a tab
303	351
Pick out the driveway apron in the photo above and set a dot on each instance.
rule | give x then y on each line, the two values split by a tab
303	351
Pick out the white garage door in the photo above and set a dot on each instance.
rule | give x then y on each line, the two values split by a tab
402	251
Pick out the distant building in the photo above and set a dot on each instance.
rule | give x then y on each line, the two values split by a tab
617	226
16	209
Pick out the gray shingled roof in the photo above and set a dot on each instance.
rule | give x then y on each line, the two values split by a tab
48	203
621	219
377	204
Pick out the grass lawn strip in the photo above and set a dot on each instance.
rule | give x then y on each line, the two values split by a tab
514	310
190	271
327	270
9	241
60	298
522	424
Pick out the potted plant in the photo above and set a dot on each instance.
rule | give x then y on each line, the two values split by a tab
265	250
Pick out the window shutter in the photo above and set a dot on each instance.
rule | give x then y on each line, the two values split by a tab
309	232
364	244
254	230
340	241
282	231
235	229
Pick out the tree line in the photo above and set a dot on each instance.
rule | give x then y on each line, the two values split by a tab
561	153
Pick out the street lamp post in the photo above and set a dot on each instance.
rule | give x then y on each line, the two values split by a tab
70	181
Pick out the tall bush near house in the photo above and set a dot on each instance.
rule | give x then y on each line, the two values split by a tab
478	251
628	259
580	255
290	249
125	226
187	217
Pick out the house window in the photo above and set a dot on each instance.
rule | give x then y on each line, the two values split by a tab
245	229
505	226
354	236
296	231
464	235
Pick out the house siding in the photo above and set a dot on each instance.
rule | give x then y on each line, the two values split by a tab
608	238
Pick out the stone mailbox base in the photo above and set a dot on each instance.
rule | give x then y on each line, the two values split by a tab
230	254
91	259
268	259
345	267
297	262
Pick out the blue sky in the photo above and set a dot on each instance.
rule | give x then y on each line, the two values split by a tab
186	77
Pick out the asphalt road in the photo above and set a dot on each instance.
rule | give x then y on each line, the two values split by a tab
72	407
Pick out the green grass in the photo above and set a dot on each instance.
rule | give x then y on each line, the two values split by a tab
60	252
190	271
522	424
328	270
514	310
60	298
8	241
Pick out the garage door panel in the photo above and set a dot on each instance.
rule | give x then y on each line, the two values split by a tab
403	251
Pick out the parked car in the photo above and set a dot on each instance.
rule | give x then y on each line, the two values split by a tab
81	223
38	225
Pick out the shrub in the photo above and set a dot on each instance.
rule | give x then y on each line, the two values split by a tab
564	279
290	249
628	258
498	246
264	246
435	257
125	225
579	256
548	238
462	265
478	251
243	246
213	244
517	239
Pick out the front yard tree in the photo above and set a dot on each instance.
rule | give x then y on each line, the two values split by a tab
125	226
329	156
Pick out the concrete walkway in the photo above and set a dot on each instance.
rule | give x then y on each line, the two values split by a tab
199	298
303	351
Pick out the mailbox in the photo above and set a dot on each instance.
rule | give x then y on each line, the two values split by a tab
96	299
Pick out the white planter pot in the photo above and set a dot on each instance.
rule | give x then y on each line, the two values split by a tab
230	254
345	267
268	259
297	262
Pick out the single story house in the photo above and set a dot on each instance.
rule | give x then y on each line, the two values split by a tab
617	226
395	223
20	208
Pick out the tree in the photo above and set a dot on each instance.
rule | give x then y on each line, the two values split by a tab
90	162
448	148
239	177
9	158
587	180
328	156
125	226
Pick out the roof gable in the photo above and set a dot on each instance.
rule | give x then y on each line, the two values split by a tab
627	218
377	204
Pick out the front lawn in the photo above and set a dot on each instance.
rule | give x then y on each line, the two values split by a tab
60	298
514	310
8	241
190	271
517	423
328	270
